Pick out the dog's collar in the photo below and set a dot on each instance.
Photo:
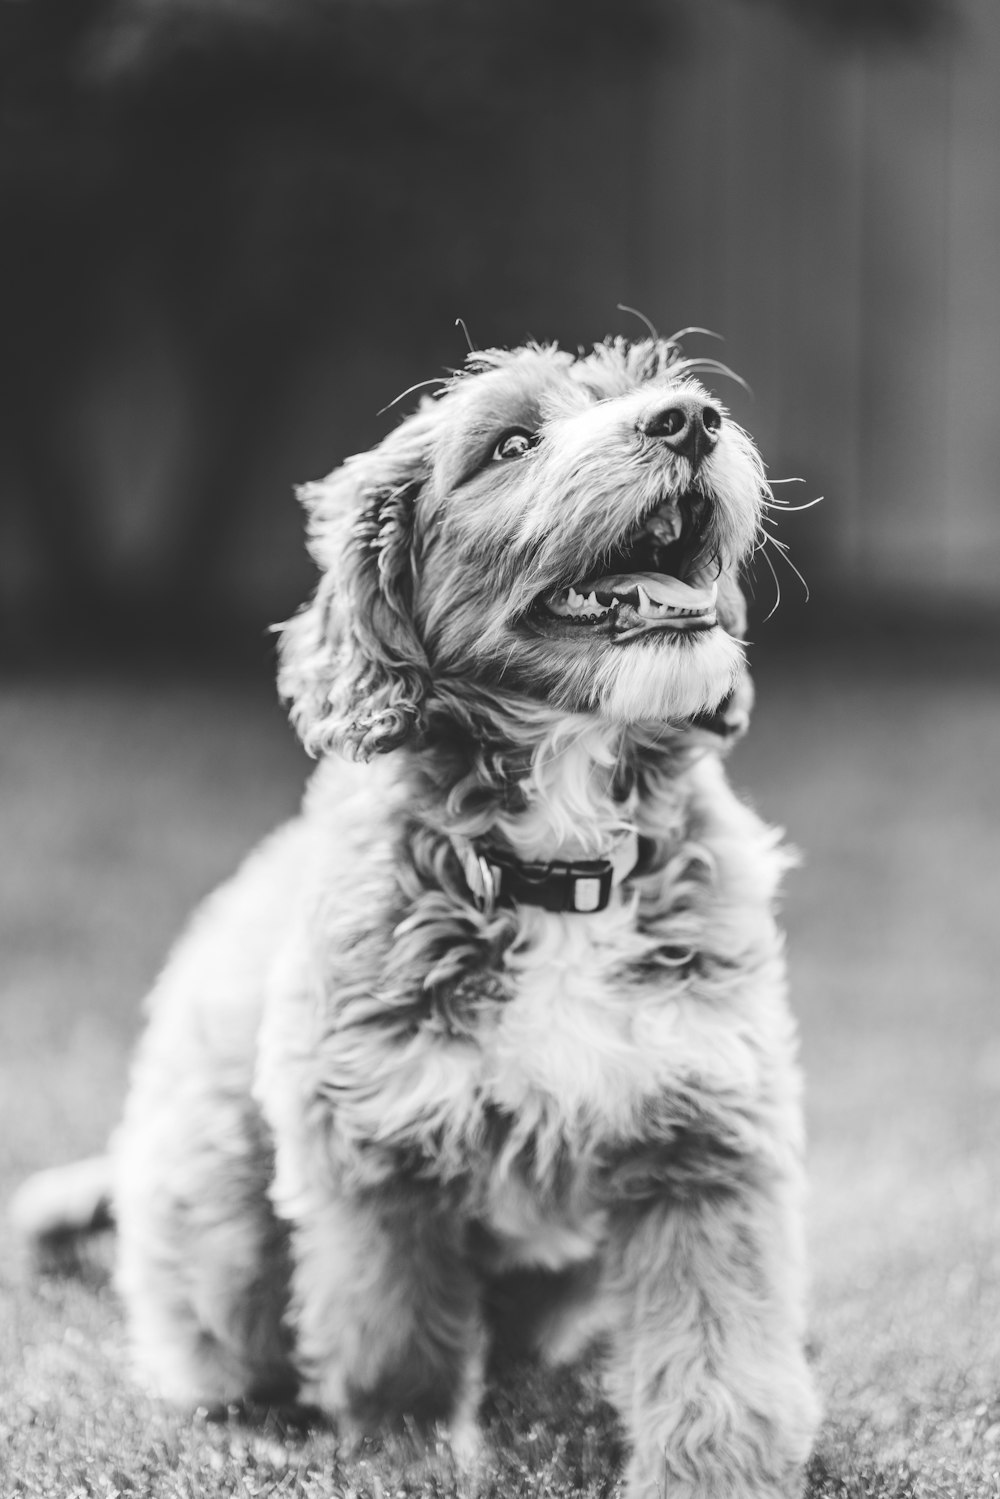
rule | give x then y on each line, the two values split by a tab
579	886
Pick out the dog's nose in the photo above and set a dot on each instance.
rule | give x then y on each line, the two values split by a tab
689	426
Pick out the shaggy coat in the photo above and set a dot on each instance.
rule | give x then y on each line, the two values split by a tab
371	1102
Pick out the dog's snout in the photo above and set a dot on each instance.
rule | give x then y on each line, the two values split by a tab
687	425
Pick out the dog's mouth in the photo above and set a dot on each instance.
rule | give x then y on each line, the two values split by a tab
658	579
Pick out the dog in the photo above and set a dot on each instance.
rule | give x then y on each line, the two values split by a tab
499	1021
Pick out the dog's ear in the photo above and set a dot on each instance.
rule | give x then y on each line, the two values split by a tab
352	667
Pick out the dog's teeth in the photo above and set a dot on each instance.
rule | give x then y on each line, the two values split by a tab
572	605
647	608
588	605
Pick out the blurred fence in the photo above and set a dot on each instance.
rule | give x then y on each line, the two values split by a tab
838	209
230	234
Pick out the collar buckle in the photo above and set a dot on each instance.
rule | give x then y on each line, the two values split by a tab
589	885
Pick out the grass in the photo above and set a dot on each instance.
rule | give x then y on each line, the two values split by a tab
124	802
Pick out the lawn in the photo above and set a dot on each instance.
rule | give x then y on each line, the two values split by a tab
123	802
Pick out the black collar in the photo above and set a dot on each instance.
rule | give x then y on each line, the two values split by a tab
579	886
559	885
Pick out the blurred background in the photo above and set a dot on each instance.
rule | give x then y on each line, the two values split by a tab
232	231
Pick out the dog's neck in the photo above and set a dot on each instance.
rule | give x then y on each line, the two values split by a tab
577	799
556	787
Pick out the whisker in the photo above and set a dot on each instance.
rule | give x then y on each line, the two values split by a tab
787	509
437	380
708	332
775	541
785	553
795	570
460	323
716	367
777	585
642	318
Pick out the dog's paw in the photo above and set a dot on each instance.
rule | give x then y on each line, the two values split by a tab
466	1443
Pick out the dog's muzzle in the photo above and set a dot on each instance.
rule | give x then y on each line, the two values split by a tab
657	579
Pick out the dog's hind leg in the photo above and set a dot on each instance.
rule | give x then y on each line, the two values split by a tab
202	1259
708	1370
386	1312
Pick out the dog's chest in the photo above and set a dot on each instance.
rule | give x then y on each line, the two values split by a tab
564	1039
560	1068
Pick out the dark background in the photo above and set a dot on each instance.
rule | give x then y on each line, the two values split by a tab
232	230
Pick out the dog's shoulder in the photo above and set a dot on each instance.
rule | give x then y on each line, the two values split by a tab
751	857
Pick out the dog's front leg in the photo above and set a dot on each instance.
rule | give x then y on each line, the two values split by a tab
386	1313
707	1366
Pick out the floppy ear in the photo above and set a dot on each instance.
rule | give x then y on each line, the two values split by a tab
351	665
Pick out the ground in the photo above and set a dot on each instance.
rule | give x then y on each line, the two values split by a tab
125	800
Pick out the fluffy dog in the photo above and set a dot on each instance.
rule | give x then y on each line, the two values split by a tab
500	1019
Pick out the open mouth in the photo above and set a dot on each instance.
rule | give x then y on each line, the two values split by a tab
657	580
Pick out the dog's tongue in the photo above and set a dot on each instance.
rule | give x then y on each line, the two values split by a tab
659	587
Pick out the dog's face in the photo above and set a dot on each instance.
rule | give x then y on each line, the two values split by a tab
566	529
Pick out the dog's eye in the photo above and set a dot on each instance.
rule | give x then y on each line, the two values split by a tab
514	444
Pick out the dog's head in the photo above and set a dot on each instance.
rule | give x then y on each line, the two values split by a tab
567	530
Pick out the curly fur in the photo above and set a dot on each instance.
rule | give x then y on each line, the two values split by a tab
363	1107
